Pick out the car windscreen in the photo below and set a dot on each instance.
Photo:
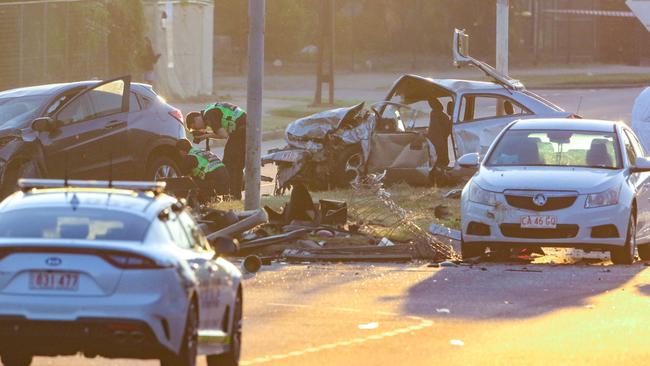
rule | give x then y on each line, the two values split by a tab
19	112
72	223
556	148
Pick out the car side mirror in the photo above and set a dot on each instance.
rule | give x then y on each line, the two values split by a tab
641	165
224	245
469	160
43	124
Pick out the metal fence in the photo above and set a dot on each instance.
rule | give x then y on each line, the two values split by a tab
52	41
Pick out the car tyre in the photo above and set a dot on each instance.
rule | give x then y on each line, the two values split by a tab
16	359
347	166
189	347
14	173
231	358
471	250
625	254
162	167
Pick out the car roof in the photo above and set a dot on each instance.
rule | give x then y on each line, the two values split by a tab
457	85
576	124
52	89
144	204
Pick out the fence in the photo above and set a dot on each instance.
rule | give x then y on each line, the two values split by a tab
52	41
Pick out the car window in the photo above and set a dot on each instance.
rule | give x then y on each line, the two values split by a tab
193	231
629	149
79	110
556	148
177	232
72	223
479	107
107	98
20	111
134	104
636	144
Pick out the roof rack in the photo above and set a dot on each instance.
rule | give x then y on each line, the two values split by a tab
29	184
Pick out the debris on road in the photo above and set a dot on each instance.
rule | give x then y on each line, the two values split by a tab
443	311
456	342
369	326
454	193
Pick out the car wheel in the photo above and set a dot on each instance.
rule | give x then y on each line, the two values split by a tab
348	166
471	250
13	174
625	254
231	358
16	359
162	167
189	348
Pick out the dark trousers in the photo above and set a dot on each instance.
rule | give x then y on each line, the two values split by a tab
215	183
234	157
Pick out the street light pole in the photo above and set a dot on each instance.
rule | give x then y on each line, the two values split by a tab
502	36
256	10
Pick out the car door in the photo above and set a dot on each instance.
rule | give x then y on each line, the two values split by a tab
480	118
634	149
90	133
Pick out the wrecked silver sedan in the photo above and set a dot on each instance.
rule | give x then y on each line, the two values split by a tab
415	135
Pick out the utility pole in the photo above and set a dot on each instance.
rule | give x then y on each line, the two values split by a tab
326	42
502	36
253	179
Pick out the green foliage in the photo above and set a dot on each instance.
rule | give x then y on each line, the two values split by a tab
126	31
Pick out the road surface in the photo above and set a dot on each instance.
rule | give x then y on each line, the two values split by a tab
569	308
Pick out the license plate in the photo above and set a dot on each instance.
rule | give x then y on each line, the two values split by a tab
56	281
538	222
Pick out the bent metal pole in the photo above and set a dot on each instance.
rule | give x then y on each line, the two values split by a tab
254	103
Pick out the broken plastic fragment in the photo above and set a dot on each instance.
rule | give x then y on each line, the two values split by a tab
457	342
373	325
443	310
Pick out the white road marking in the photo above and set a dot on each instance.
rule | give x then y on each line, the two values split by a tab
423	323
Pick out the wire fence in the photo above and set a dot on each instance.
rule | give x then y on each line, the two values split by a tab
53	41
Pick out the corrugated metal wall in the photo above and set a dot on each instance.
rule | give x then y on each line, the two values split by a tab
54	41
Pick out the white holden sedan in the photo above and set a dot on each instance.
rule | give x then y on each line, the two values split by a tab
559	183
118	270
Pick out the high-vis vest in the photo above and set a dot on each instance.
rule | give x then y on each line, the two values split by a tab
229	115
207	162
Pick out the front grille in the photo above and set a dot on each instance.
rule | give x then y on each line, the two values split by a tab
562	231
553	201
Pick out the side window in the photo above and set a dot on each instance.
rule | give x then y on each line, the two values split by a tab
478	107
636	144
177	232
107	98
629	149
134	104
195	234
79	110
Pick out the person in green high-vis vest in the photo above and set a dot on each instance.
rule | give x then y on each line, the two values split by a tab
208	171
227	121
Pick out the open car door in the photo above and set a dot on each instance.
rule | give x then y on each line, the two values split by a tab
88	135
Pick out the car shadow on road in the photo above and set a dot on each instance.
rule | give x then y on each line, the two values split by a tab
493	291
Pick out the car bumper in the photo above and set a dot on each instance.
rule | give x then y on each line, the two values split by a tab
599	228
161	309
106	337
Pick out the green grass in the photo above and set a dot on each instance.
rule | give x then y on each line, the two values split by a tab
419	201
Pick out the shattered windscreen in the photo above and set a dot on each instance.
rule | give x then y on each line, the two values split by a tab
556	148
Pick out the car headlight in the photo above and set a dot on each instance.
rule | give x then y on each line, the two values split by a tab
606	198
480	195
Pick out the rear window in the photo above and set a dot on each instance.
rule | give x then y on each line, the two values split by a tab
68	223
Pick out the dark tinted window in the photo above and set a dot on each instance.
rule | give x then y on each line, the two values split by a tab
79	110
68	223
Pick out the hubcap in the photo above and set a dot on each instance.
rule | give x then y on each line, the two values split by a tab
165	171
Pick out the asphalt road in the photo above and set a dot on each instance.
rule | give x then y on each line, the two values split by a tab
566	308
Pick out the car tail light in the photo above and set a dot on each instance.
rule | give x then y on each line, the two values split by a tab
177	114
131	261
575	116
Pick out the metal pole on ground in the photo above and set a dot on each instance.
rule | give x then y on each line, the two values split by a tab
256	10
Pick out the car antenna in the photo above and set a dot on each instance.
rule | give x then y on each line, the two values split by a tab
65	171
579	105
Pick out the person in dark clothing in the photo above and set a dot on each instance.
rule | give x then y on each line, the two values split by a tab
439	132
148	60
227	121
